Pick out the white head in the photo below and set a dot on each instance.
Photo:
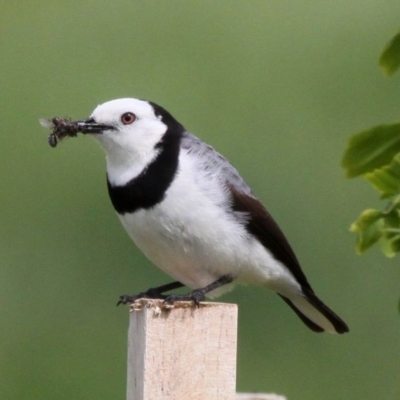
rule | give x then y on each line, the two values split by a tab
137	127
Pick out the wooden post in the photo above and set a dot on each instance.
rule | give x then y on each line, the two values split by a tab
259	396
182	353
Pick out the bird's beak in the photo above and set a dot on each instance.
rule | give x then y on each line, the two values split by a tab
91	126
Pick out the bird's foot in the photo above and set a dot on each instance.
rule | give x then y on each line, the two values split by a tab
196	297
152	293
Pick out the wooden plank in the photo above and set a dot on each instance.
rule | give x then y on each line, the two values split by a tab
259	396
182	352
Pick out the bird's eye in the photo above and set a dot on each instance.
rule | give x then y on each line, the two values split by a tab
128	118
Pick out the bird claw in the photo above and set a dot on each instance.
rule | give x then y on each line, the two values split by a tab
128	299
150	294
196	297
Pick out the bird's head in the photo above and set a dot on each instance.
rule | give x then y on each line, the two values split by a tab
132	132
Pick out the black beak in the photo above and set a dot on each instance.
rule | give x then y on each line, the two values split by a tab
91	126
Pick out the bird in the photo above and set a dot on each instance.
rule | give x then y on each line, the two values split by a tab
191	213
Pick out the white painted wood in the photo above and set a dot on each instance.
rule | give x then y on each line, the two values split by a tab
182	353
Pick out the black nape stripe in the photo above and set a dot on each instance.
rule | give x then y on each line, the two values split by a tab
148	189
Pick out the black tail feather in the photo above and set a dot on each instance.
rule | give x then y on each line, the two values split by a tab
338	324
314	327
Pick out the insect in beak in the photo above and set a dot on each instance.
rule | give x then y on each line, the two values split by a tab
64	127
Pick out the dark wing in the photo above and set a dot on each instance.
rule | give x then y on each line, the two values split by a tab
261	224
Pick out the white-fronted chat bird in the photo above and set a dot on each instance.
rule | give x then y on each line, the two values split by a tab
192	214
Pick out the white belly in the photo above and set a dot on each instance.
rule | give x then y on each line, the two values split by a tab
192	238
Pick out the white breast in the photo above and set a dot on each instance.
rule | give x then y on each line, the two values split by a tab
191	235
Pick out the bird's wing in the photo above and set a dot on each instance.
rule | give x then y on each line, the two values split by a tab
261	224
258	220
210	160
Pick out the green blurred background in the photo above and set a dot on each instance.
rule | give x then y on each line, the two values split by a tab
277	86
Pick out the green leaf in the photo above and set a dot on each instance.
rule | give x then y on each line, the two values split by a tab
386	179
369	227
392	221
389	60
395	244
390	239
393	205
366	218
371	149
386	247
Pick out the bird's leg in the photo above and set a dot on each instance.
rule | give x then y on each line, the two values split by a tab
152	293
198	295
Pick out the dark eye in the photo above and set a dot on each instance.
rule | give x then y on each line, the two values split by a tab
128	118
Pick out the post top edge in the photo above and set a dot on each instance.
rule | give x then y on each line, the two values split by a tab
159	304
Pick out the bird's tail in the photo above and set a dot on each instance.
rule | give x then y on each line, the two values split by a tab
314	313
